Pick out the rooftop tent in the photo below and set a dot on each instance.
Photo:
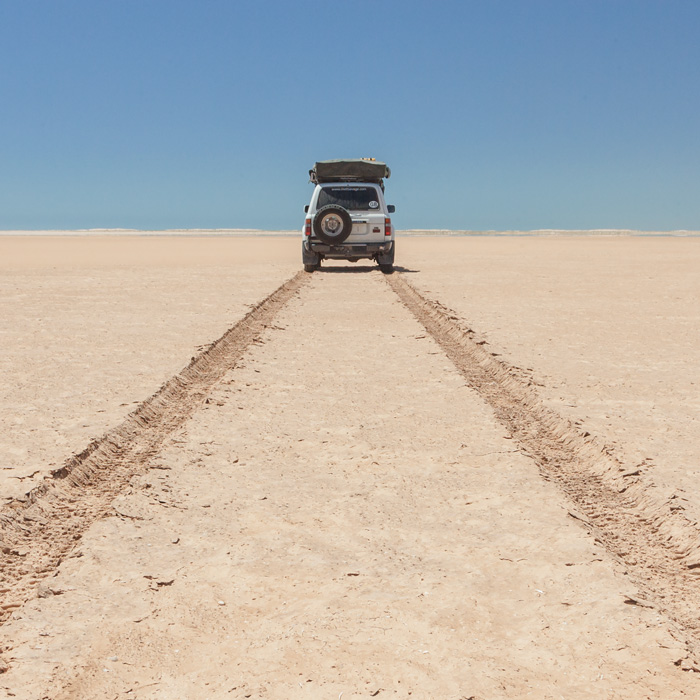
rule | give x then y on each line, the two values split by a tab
352	170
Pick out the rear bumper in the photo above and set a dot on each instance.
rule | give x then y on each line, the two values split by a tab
349	250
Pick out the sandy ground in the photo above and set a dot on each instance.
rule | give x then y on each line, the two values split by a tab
92	326
343	516
610	328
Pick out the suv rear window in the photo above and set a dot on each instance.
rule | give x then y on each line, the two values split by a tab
352	198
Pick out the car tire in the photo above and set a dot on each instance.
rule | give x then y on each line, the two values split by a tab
332	224
310	259
386	262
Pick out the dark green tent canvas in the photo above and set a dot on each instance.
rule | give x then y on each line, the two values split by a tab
349	170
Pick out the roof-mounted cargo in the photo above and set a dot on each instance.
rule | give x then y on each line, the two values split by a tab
349	170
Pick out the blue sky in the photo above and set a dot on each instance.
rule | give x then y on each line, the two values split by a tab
498	114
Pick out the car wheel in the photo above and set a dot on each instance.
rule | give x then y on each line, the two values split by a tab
386	262
309	258
332	224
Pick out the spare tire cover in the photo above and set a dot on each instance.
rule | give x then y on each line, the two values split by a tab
332	224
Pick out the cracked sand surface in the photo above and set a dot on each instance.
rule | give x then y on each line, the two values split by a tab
343	516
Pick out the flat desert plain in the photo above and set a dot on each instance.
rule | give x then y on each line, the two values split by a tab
226	478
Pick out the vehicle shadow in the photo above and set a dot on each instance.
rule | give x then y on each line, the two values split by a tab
346	268
333	269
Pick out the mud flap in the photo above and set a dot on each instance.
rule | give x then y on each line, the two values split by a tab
387	258
308	257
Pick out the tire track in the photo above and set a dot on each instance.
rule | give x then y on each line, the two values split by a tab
40	530
645	527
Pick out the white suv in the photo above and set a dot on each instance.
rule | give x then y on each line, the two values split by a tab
348	218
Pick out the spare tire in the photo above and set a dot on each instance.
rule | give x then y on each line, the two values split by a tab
332	224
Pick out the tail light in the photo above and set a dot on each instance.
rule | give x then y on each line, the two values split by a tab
387	226
307	227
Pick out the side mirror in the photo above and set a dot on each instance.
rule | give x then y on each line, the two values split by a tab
306	209
391	208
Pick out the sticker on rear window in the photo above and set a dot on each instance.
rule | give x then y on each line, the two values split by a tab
373	205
